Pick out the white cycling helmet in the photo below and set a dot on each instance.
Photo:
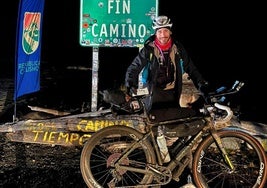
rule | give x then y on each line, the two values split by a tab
161	21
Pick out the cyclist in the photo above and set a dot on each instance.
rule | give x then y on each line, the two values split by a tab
157	70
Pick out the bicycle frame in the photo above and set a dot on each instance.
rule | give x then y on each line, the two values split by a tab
181	160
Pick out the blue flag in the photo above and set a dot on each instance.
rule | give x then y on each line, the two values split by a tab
28	47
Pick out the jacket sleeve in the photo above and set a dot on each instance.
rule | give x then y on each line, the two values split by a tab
134	69
189	67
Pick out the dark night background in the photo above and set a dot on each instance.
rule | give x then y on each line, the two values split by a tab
226	41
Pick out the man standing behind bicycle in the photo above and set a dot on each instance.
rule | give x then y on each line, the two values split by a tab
157	71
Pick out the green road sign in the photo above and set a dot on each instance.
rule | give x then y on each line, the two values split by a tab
116	23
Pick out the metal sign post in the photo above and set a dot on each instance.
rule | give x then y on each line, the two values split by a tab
95	66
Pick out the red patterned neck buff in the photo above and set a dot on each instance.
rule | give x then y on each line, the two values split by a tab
163	47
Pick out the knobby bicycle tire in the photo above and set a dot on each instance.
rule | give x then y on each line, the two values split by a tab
104	147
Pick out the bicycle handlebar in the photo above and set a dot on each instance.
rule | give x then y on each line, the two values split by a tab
221	91
215	100
227	117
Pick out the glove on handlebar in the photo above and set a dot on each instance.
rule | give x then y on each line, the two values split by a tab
131	106
203	87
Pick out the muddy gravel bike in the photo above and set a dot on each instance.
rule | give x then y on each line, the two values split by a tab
217	154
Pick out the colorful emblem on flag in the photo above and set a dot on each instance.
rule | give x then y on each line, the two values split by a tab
31	32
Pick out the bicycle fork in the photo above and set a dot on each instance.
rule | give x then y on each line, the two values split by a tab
219	144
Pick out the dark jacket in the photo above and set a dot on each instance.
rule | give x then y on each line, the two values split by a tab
150	54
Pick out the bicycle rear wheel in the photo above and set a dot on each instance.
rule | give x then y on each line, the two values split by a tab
246	154
102	150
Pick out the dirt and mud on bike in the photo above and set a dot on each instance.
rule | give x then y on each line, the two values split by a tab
211	145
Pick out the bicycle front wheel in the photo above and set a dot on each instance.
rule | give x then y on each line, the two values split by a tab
105	147
244	151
